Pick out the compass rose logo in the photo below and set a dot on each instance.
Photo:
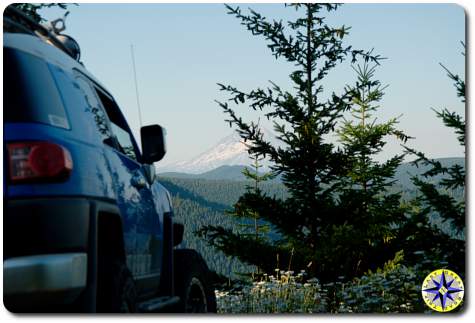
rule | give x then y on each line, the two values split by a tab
442	290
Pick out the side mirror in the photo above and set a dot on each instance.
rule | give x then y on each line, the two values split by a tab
153	143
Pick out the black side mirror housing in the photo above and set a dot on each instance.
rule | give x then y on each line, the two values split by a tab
153	143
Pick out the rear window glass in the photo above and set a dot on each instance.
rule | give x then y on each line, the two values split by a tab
30	93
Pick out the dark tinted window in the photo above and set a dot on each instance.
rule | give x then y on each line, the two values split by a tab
119	125
94	107
30	93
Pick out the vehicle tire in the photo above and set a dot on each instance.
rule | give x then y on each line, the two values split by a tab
192	283
116	289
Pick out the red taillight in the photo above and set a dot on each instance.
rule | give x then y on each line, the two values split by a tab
30	161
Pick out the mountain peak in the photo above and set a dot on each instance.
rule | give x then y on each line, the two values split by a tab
230	151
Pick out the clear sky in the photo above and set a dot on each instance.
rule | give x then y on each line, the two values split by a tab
183	50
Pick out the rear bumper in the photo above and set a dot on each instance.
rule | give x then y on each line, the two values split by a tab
49	254
53	278
45	226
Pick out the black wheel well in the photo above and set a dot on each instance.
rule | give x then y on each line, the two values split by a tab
191	254
110	237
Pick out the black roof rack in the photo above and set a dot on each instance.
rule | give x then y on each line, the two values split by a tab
14	20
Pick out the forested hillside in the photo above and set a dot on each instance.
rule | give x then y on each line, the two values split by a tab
199	201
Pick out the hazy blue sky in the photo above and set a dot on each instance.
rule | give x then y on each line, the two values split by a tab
183	50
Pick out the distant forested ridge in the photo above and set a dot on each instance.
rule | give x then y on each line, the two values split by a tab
226	172
407	170
202	199
234	173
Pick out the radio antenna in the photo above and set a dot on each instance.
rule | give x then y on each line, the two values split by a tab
136	87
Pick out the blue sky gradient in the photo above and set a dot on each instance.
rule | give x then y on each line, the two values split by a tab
183	50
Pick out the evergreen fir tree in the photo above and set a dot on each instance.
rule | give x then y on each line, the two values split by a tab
255	177
308	163
360	237
430	244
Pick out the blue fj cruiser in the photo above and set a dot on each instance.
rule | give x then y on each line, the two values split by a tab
87	227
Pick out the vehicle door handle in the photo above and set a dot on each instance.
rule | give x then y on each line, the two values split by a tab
138	180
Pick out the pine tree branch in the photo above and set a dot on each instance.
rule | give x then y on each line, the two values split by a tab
445	205
455	121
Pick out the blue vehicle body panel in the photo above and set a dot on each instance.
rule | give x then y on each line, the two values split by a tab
99	171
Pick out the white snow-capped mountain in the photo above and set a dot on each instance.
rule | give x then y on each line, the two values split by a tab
228	151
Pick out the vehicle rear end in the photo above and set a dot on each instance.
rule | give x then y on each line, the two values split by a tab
51	171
